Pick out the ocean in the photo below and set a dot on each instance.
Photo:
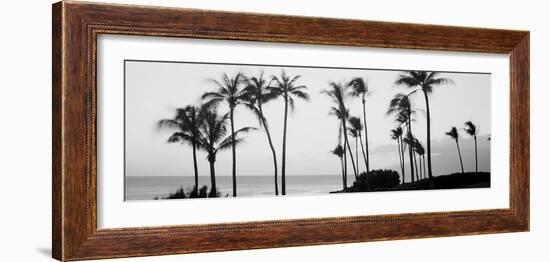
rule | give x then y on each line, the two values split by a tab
149	187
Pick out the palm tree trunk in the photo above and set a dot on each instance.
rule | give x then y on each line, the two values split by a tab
402	157
345	167
195	166
363	151
475	144
424	159
411	151
428	135
400	160
421	166
356	154
233	151
272	151
213	188
459	156
283	181
344	184
366	136
415	167
349	148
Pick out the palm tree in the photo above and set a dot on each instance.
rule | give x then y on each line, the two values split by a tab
259	94
355	131
472	130
229	92
401	106
212	138
339	152
337	93
341	115
419	149
360	89
453	133
285	87
397	135
411	141
425	81
185	124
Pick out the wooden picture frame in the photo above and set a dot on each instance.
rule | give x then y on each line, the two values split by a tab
76	26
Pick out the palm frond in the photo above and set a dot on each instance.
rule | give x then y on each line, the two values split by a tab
355	123
470	128
406	81
169	124
213	96
180	137
227	142
291	104
338	151
294	79
301	94
358	86
452	133
222	87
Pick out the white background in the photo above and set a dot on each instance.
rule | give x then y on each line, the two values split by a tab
25	136
114	212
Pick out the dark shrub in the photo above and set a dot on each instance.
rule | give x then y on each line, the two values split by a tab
201	193
377	179
179	194
194	193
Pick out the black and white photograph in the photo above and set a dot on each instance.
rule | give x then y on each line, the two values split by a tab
272	131
213	130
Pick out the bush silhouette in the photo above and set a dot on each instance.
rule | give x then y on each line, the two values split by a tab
201	193
377	179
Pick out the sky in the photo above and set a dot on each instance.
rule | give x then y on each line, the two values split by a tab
153	91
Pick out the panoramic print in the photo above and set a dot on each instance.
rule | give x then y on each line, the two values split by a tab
212	130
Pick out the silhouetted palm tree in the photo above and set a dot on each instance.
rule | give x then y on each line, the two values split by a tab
185	124
339	152
360	89
425	81
397	135
286	87
419	149
453	133
259	94
472	130
337	93
355	130
230	92
341	115
411	142
213	139
400	105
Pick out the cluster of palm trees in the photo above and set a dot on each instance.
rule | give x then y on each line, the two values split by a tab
470	129
409	141
205	128
339	93
400	107
416	150
402	110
